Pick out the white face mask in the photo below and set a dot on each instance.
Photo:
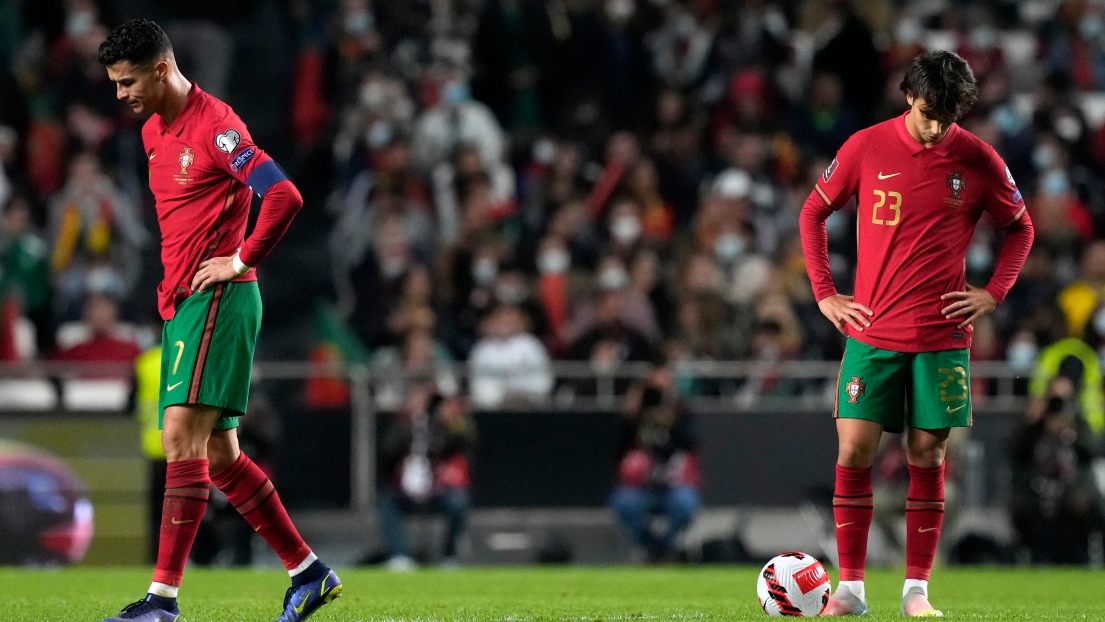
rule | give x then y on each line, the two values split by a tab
729	247
625	229
1022	355
554	261
392	267
511	293
485	270
613	279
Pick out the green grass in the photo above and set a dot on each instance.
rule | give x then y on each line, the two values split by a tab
516	595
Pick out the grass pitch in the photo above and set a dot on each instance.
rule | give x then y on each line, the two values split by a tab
517	595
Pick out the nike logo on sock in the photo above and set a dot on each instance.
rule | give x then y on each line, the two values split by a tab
181	522
839	525
919	530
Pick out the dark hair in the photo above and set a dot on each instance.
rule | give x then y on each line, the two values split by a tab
946	83
139	41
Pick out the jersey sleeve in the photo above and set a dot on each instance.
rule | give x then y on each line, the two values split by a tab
234	151
1002	199
840	181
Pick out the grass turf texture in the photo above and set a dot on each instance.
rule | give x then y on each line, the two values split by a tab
517	595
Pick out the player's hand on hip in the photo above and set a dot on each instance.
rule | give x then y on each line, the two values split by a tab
971	304
212	272
841	310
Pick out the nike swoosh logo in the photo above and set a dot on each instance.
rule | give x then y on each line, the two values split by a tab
881	176
303	604
173	386
950	410
181	522
919	530
840	525
152	156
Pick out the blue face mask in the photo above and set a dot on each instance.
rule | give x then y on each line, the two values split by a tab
1008	121
1055	183
979	258
456	93
1022	355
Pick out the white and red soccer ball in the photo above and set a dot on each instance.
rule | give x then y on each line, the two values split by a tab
793	584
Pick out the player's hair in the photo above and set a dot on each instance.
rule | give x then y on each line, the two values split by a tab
946	83
138	41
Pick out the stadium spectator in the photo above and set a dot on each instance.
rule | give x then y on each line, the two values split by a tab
1055	503
425	466
508	365
658	472
1082	299
99	337
25	270
96	236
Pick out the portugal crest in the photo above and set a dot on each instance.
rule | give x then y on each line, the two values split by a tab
855	388
956	183
185	160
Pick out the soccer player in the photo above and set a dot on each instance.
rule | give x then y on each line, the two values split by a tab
921	183
204	169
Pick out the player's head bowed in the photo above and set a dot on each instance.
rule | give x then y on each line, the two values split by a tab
138	41
945	82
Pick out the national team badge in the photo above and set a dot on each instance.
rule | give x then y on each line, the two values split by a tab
956	183
185	160
855	388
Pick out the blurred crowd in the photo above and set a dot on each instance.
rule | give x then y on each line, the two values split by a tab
515	182
512	182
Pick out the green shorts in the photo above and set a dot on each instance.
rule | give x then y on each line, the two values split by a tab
926	390
207	351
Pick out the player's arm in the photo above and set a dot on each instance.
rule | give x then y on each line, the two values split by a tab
1006	206
280	202
839	182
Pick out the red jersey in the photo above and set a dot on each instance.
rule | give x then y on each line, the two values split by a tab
199	172
917	210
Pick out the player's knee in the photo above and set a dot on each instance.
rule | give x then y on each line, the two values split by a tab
925	457
183	443
856	455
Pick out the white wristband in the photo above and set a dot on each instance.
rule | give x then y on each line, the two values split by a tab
238	266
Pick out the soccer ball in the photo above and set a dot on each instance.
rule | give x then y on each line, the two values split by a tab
793	584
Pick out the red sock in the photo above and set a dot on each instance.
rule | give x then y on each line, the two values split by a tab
852	509
924	515
186	488
252	494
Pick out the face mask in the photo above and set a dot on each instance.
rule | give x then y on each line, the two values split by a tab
379	134
1099	322
1055	183
104	281
544	151
1007	120
80	23
620	10
1091	27
511	293
358	22
372	95
908	31
729	247
555	261
983	38
1068	128
456	93
1043	157
978	258
1022	355
392	267
625	229
613	278
485	270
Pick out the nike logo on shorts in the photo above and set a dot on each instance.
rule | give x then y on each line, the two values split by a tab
173	386
950	410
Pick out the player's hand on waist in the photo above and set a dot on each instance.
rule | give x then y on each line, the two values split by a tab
841	310
212	272
971	304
